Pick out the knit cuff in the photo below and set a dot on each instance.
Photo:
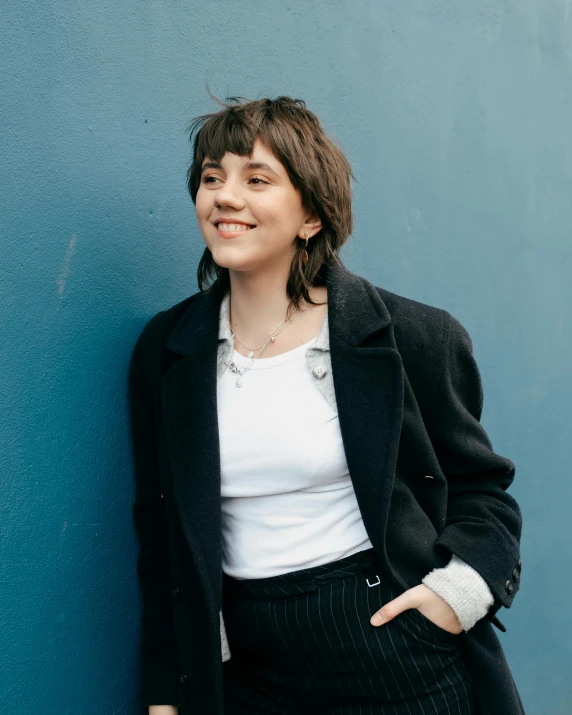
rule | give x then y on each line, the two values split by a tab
463	588
225	648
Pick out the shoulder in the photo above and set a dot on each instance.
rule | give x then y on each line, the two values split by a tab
160	324
430	340
420	324
150	344
414	322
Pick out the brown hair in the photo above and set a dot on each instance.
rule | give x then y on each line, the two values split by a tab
316	166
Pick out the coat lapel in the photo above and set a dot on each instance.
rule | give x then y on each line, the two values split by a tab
189	405
368	384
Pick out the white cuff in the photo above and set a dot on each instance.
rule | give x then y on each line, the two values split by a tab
464	589
225	649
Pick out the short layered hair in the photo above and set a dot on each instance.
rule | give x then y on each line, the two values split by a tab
316	166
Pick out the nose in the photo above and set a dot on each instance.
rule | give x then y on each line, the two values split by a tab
228	195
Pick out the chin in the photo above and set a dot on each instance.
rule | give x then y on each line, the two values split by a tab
233	260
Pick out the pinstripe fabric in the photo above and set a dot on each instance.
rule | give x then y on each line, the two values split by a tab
302	643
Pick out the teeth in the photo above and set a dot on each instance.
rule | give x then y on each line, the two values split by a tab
233	227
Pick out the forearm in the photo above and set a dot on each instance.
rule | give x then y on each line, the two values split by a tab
163	710
483	521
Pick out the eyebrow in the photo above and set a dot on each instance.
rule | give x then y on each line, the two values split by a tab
246	165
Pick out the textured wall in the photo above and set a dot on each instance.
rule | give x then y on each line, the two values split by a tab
456	118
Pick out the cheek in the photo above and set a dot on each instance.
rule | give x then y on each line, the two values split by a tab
201	206
279	219
202	213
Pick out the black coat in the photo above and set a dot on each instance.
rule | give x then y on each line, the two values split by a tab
409	401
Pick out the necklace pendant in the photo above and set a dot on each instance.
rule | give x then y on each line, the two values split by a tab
239	382
272	339
250	353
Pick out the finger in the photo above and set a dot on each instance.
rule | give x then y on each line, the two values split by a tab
392	609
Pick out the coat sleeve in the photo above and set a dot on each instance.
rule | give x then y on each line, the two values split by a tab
484	522
158	646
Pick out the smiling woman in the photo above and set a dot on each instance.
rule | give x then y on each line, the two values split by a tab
270	165
335	536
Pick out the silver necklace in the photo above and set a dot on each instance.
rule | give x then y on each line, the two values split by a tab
255	353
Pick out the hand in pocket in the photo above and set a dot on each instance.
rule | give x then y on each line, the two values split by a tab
427	602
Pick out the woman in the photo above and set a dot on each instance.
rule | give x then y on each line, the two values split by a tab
323	524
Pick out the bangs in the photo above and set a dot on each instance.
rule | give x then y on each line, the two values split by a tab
229	132
236	129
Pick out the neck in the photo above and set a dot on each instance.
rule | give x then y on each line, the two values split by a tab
258	302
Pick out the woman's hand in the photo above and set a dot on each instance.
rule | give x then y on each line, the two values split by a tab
429	603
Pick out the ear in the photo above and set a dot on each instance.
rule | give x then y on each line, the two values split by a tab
311	225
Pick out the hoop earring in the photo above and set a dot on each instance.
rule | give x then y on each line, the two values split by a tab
304	251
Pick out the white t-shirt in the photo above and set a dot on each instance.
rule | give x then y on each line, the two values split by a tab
288	501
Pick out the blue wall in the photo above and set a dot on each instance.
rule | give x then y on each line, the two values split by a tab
456	118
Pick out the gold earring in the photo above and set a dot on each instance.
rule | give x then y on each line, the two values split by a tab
304	251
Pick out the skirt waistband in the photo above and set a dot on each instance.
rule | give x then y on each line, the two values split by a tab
365	563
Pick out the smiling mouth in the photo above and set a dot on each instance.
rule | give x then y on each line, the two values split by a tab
233	227
229	230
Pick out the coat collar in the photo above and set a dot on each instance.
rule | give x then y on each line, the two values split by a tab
355	312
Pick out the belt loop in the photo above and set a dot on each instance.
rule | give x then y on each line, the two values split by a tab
372	569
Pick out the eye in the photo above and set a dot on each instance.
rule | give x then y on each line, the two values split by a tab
206	179
255	178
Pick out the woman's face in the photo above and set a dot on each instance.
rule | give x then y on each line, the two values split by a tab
255	191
